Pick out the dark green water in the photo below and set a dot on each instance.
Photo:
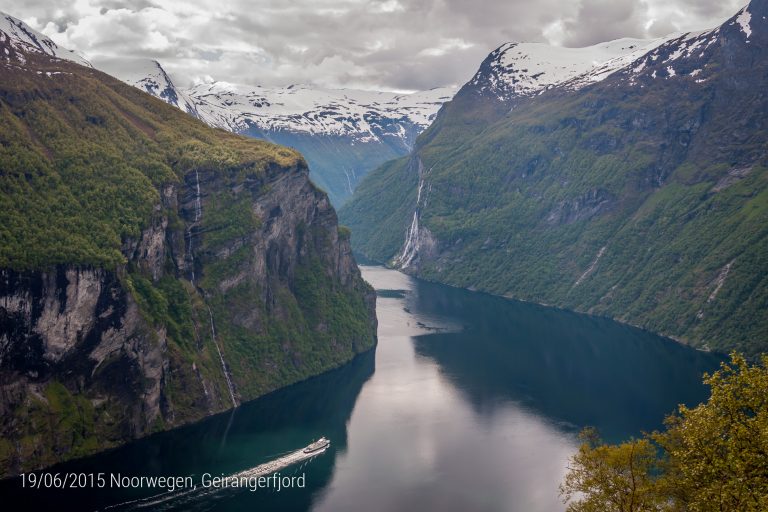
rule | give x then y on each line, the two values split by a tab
470	403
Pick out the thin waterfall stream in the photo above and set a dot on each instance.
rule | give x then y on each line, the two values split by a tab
221	357
198	215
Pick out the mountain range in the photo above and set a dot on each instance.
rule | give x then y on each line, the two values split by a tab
627	179
343	133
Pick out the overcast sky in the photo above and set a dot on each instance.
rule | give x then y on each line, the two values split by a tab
371	44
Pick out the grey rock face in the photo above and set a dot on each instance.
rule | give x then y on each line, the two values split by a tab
78	327
80	336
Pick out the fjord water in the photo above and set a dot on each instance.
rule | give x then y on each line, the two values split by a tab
470	402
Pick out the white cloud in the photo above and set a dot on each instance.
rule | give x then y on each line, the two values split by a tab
445	46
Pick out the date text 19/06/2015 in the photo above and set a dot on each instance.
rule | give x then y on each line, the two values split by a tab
46	480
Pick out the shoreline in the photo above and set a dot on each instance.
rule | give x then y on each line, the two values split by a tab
365	261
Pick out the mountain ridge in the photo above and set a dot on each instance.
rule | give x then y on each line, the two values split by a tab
15	34
152	78
638	196
343	133
153	270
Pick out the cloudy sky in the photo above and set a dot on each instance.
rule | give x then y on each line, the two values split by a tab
372	44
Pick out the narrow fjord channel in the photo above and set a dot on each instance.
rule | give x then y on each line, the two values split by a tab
470	402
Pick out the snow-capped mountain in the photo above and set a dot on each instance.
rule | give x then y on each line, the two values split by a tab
363	116
149	76
524	69
519	70
626	180
343	133
15	34
689	55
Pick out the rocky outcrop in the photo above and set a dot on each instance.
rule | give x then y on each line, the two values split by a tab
91	358
583	207
73	348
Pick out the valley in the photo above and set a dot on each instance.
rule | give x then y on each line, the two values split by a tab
347	247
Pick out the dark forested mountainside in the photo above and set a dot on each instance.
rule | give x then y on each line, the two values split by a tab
638	193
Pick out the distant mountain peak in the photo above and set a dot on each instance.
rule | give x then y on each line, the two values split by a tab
149	76
363	116
16	35
516	70
525	69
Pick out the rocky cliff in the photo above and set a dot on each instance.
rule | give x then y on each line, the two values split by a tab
152	270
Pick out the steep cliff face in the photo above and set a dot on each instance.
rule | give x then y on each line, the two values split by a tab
152	270
79	367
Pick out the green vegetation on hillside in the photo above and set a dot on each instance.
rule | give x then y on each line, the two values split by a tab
82	157
645	204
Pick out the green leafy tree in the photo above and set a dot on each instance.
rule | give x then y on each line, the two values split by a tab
717	453
713	457
612	478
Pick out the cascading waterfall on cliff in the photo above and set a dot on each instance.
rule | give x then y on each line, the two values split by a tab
411	245
198	215
349	180
221	357
198	203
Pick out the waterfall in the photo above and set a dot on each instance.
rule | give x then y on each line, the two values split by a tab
221	357
198	215
198	203
190	256
349	181
411	245
189	234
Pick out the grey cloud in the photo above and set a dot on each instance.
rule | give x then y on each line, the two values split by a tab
605	20
386	44
712	8
659	28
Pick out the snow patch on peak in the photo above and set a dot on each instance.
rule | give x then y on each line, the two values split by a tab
365	116
20	36
743	19
525	69
626	59
148	75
